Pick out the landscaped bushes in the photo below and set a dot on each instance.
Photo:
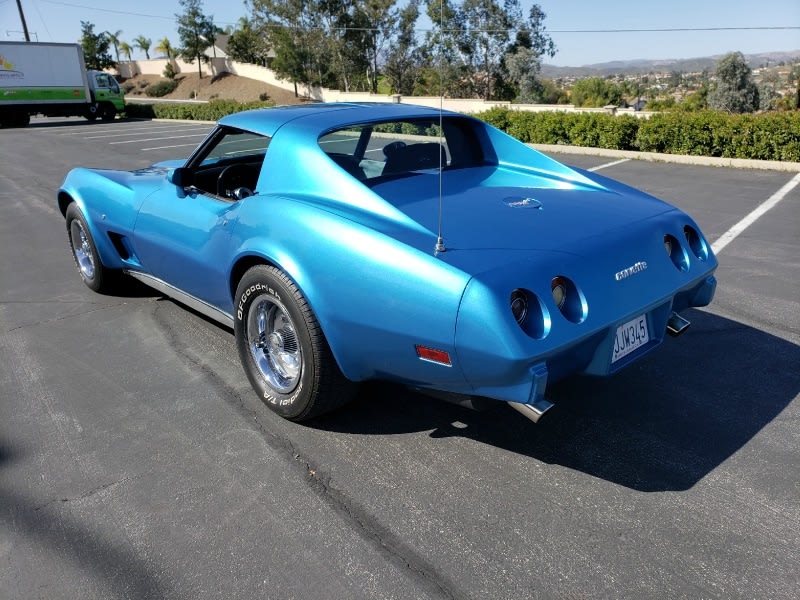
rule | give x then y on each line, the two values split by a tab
162	88
211	111
769	136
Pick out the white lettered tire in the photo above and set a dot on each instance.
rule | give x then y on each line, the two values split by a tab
283	349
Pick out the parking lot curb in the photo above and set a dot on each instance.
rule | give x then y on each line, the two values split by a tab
700	161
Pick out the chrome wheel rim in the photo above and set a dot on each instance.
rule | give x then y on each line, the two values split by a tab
273	343
81	249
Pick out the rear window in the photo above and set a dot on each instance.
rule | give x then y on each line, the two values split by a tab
376	151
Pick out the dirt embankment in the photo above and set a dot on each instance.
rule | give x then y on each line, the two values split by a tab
224	86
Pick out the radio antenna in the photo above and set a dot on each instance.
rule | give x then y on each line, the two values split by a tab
440	247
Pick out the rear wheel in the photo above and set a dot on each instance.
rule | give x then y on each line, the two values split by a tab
282	348
94	274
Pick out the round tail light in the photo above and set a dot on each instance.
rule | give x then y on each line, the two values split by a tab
519	306
569	299
676	253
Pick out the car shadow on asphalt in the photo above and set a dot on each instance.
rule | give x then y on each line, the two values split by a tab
661	425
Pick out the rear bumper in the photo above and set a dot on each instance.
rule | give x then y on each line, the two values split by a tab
592	354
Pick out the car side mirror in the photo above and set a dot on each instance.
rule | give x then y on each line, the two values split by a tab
181	177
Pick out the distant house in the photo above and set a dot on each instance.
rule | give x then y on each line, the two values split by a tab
220	47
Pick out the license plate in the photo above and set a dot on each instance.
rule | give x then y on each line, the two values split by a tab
630	336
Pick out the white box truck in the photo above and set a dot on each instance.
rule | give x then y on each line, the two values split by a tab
52	80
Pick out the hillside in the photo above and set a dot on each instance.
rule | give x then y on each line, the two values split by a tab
643	67
224	86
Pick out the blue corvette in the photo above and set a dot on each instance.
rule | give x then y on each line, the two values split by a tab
347	242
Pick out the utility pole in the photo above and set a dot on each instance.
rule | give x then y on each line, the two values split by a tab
24	24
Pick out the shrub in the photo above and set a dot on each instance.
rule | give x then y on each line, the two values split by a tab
768	136
162	88
128	87
169	71
211	111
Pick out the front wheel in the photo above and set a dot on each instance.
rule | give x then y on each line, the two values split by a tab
94	274
107	111
283	349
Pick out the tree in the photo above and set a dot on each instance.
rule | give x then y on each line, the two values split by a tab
402	64
595	91
523	66
165	47
447	74
379	20
293	30
735	91
95	48
485	39
524	59
246	44
143	44
126	49
115	41
196	31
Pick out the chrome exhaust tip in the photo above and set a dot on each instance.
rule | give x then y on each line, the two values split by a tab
676	324
534	411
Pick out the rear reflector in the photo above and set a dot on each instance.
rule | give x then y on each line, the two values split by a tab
435	356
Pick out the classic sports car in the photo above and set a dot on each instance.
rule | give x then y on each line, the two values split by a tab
349	242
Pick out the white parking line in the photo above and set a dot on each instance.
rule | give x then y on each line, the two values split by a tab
129	133
606	165
737	229
173	146
169	137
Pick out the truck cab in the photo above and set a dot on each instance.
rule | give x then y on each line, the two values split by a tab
106	95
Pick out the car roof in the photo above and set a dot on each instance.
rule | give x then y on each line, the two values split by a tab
267	121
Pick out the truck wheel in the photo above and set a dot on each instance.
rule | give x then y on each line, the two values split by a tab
283	349
107	111
91	112
94	274
15	119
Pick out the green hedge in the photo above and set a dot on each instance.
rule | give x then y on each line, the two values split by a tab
211	111
768	136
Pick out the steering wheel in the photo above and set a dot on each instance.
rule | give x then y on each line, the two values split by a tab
231	178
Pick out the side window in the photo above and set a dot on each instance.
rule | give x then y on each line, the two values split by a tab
229	165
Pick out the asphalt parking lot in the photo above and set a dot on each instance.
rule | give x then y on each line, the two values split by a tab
135	462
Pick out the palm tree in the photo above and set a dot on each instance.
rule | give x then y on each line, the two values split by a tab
126	49
166	48
115	41
143	44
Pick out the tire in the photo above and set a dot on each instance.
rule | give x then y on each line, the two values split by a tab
92	112
84	252
283	349
107	111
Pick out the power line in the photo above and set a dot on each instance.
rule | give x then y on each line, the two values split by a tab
511	30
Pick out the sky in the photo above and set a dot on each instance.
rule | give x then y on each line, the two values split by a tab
578	27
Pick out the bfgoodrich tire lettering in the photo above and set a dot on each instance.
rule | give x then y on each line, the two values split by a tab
282	348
